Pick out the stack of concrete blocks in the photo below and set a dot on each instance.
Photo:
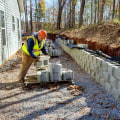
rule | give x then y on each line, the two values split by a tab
104	72
42	67
55	71
51	49
43	62
56	52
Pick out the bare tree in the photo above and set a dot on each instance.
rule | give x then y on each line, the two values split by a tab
119	9
26	16
61	5
31	14
113	9
95	4
81	12
91	11
101	10
73	12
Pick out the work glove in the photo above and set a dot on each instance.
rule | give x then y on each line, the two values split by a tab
36	59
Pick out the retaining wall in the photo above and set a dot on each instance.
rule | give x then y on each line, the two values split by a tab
104	72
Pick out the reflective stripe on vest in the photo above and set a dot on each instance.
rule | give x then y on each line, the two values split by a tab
36	48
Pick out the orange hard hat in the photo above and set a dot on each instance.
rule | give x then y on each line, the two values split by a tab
42	34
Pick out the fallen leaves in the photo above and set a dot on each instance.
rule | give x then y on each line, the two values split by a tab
71	87
49	102
77	90
111	106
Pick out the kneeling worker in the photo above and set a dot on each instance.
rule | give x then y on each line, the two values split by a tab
30	51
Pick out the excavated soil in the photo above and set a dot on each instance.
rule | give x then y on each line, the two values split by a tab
104	37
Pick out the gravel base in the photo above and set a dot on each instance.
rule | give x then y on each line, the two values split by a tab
44	104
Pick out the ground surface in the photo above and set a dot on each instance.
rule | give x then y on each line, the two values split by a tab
57	102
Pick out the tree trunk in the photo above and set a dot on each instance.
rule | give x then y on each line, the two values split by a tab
70	15
26	16
36	15
61	5
113	9
31	14
91	11
101	10
65	16
73	13
119	9
81	13
95	4
98	11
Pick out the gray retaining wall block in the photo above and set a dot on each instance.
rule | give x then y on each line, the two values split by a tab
43	76
108	87
110	68
70	41
83	46
106	76
99	61
67	75
116	72
113	82
116	93
104	65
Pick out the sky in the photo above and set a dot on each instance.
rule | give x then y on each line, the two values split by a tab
49	3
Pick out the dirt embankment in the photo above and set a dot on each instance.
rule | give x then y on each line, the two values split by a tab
105	37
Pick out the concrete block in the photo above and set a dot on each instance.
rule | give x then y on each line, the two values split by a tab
94	60
50	53
108	87
56	52
97	78
99	61
83	46
106	76
93	74
49	49
89	71
42	58
104	66
43	61
113	82
116	72
39	64
115	93
119	85
91	58
58	41
110	68
71	41
102	81
67	75
43	76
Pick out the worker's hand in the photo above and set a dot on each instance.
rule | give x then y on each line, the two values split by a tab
37	59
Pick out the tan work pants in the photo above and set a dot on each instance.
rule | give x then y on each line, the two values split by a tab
26	63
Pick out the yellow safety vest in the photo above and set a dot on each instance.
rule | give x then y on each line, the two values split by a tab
36	48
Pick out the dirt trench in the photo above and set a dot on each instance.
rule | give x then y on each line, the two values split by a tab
106	48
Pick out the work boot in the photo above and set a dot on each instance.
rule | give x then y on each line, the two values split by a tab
21	81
